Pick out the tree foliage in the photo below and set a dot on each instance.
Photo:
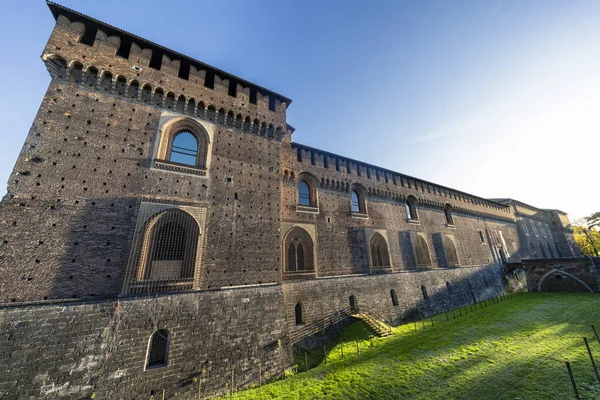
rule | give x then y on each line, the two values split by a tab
586	234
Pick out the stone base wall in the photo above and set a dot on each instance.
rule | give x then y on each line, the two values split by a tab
563	274
322	297
76	349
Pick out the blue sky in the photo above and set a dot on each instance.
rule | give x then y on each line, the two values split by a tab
496	98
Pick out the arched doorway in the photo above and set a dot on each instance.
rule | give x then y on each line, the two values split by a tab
353	305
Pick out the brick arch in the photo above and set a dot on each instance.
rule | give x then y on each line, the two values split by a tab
378	250
151	265
177	125
298	251
555	270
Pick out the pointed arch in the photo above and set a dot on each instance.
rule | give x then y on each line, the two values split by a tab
158	349
450	251
299	252
421	249
380	257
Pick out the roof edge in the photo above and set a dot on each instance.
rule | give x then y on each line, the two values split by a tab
56	10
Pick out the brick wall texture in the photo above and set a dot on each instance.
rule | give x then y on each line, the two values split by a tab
75	214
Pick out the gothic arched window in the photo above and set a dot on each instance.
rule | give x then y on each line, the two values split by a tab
184	149
422	252
379	251
299	251
450	250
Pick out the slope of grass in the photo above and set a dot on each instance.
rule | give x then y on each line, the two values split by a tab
512	350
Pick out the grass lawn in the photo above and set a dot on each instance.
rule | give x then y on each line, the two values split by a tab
512	350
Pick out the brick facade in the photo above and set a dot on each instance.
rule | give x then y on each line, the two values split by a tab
95	176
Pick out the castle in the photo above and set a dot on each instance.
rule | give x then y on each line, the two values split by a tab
161	226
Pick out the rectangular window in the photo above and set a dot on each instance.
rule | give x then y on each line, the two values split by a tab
481	236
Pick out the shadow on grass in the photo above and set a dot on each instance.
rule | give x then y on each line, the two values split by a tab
515	349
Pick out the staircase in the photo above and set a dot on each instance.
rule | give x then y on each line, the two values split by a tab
375	325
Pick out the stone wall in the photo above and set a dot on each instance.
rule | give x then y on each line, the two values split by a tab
563	275
74	349
322	297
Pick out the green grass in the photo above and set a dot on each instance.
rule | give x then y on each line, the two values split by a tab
514	349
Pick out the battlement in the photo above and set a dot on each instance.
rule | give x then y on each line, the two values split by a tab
397	186
88	42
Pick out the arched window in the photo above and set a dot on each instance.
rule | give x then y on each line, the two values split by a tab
394	298
303	194
357	202
167	253
299	251
185	142
184	149
424	291
411	208
422	252
158	349
307	194
379	251
448	214
450	250
449	287
298	312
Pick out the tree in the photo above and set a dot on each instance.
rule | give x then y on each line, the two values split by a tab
587	237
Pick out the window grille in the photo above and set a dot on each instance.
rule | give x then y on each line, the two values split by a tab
165	251
299	251
158	349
